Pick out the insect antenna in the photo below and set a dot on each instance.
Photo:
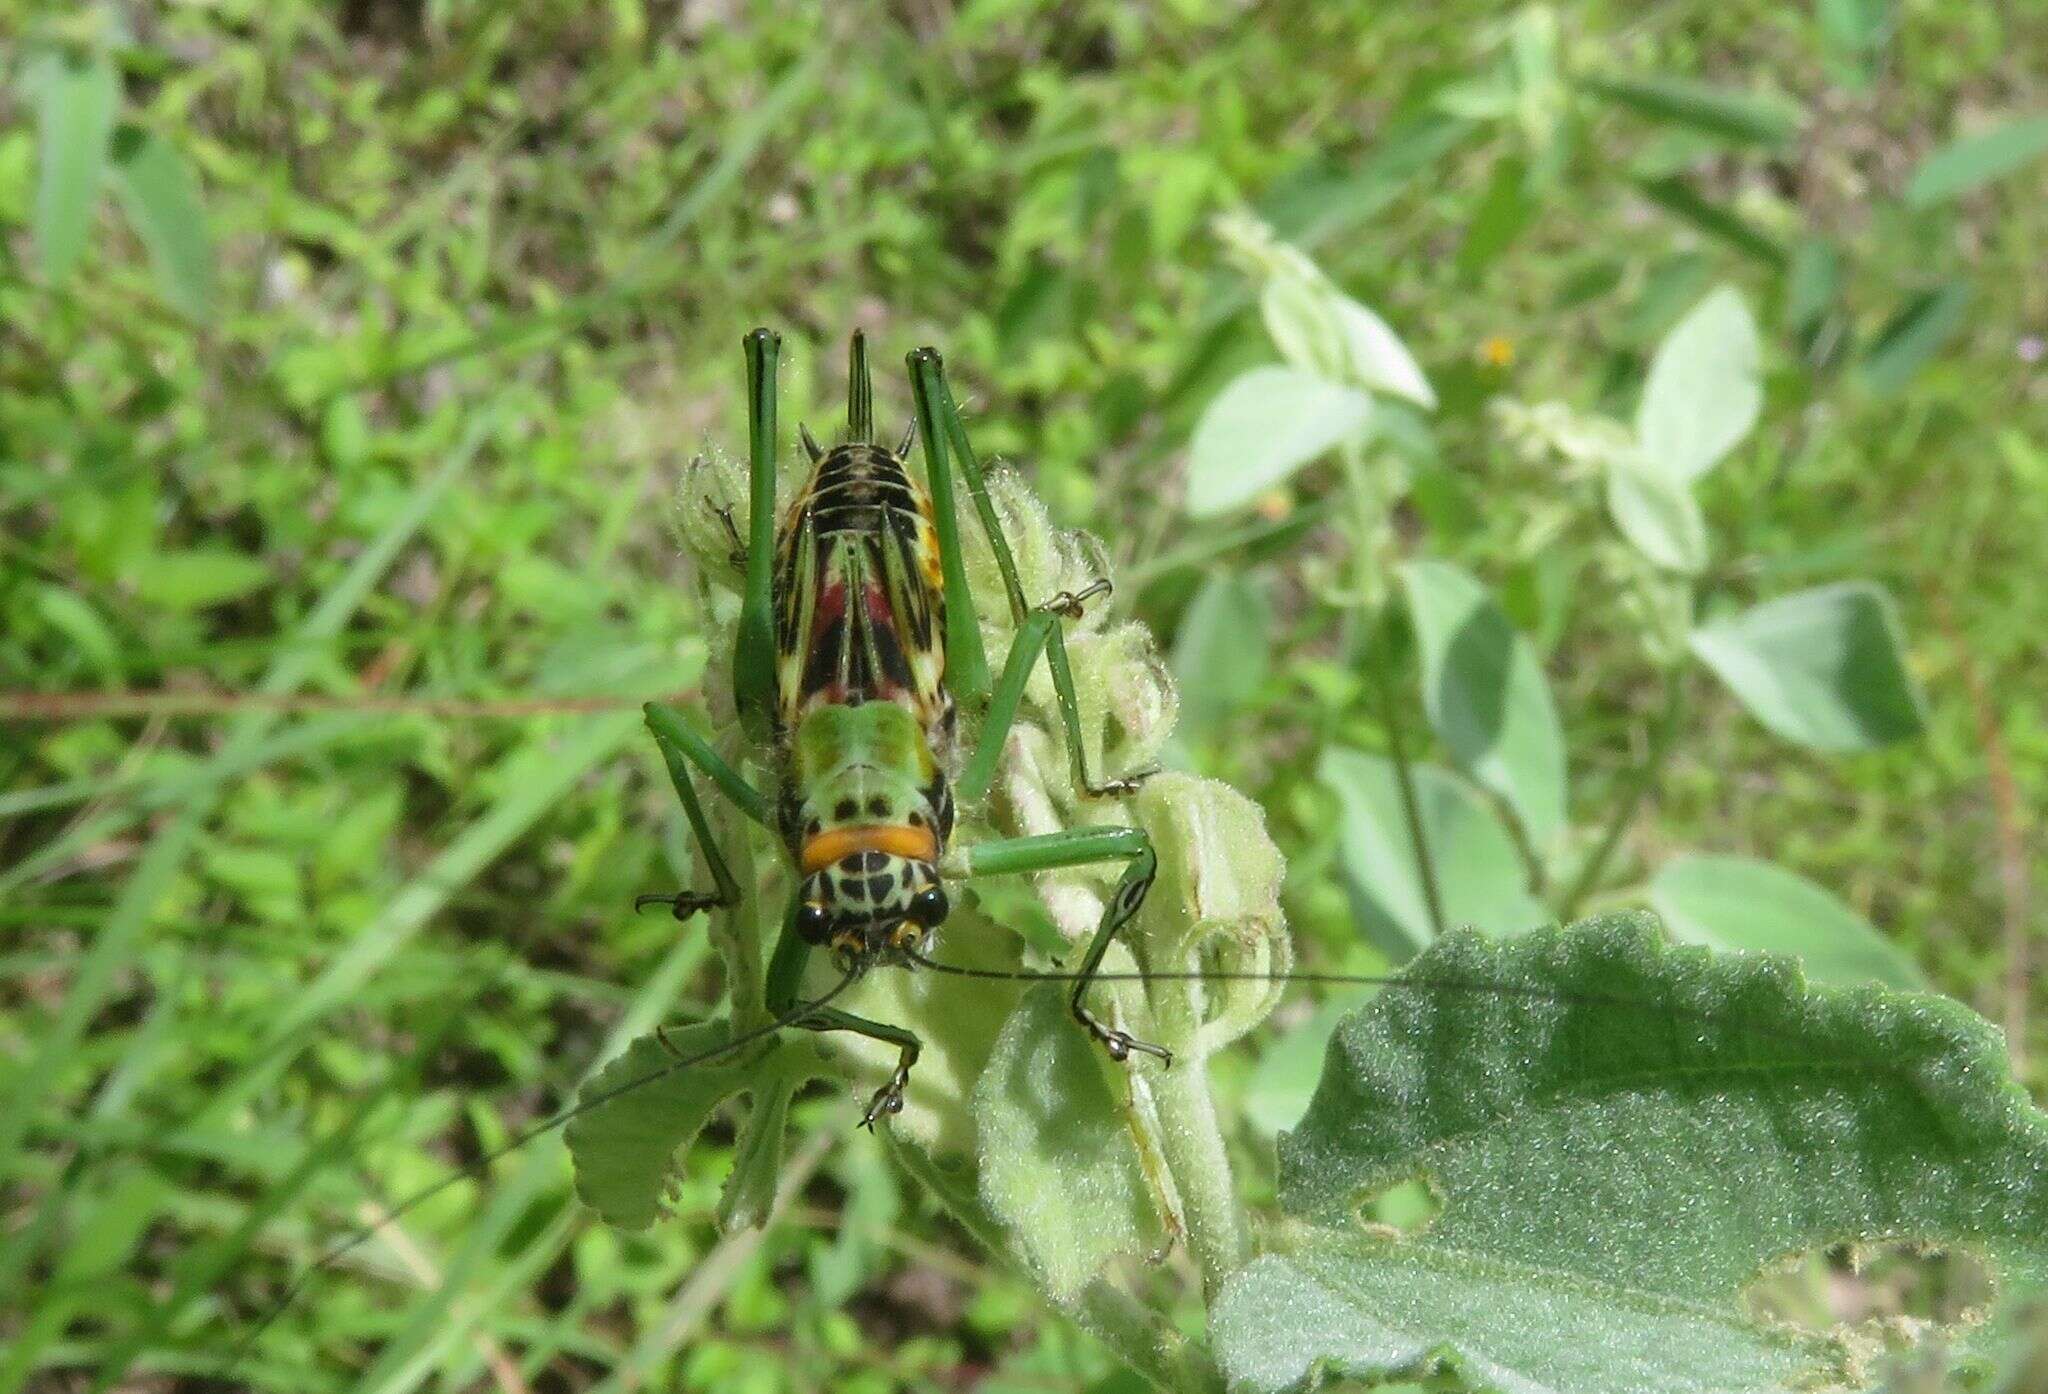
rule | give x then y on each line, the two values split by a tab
860	392
363	1233
1226	975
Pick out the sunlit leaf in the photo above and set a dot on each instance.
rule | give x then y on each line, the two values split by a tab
1742	903
1264	426
1970	161
1221	650
1479	875
77	97
1823	667
1657	514
1743	117
162	199
1486	694
1703	392
1718	1115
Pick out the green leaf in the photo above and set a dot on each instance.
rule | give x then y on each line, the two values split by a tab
1266	424
76	98
624	1150
162	199
1823	667
1478	872
1742	117
1057	1164
1221	650
1742	903
198	577
1621	1138
1969	161
1852	33
1703	392
1486	695
1921	328
1657	514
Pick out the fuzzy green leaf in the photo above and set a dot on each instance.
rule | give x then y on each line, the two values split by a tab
1622	1137
1824	667
1057	1165
1658	515
1486	694
625	1149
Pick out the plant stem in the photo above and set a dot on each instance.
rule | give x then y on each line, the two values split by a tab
1192	1140
1411	803
1640	779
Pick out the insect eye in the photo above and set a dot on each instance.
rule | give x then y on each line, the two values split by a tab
929	907
813	922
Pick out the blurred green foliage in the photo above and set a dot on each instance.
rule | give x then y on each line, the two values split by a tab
352	351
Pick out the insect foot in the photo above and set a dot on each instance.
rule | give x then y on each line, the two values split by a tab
1122	786
1071	604
888	1100
683	904
1120	1044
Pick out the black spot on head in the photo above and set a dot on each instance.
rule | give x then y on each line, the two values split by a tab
878	807
916	819
845	809
853	888
813	828
880	886
870	861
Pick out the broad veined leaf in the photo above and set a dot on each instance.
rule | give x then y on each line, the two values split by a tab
1742	903
1703	392
1621	1137
1486	695
76	99
1969	161
1751	118
1478	872
1057	1161
625	1149
1823	667
1264	426
1657	514
162	199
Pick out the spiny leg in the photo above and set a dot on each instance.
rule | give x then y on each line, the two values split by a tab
1037	628
1079	847
1040	631
680	748
785	982
753	659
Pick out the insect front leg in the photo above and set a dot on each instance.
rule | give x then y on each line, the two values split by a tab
785	978
753	659
1080	847
680	748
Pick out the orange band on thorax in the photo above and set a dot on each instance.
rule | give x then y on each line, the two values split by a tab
919	844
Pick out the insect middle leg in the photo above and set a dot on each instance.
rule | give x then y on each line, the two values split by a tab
785	979
1080	847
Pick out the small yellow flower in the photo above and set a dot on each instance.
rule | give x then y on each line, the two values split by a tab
1497	351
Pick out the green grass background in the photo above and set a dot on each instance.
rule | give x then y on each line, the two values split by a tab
388	529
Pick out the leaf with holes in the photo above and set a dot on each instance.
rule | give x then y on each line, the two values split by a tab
1622	1137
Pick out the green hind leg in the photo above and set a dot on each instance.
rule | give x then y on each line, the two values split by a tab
1038	628
785	982
1080	847
682	747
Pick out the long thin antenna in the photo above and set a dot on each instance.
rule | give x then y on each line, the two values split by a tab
363	1234
860	392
